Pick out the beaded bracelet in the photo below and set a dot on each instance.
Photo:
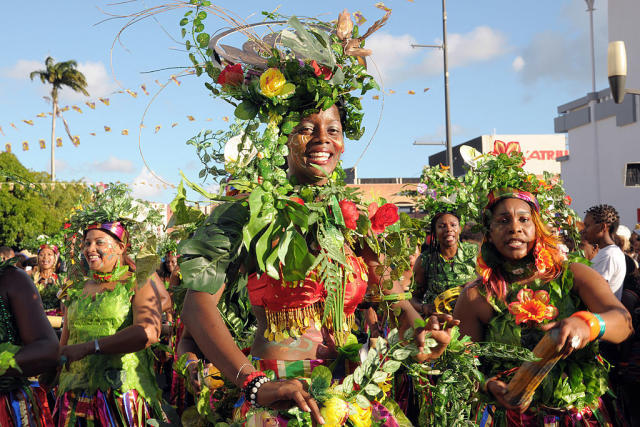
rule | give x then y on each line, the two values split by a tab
251	377
250	391
592	321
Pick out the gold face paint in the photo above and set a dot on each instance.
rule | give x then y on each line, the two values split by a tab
297	148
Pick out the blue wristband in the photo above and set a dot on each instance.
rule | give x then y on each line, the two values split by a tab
603	326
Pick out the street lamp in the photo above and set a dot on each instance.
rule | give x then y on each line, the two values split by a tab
443	46
617	71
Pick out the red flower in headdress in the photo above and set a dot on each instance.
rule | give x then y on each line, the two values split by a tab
321	70
231	75
501	147
349	213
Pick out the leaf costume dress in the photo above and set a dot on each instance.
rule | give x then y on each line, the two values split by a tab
447	274
48	290
106	389
571	393
22	403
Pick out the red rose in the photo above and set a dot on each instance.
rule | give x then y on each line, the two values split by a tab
297	200
232	75
349	213
321	71
385	216
67	225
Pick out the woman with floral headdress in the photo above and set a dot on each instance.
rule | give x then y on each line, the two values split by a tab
299	242
528	288
113	316
28	347
46	279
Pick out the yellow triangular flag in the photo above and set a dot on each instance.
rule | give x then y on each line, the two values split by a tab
25	146
124	132
29	122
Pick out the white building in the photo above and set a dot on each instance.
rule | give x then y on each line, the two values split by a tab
541	152
604	137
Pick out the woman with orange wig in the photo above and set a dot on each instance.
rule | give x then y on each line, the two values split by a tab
527	287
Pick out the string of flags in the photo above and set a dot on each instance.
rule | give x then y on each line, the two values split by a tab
8	185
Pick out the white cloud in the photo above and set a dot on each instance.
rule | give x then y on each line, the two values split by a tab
398	61
146	186
113	164
22	69
518	64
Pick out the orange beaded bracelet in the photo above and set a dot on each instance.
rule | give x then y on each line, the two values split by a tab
591	320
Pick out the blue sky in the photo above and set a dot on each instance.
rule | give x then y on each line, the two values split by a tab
511	64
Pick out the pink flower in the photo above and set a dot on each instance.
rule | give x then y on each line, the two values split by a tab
422	188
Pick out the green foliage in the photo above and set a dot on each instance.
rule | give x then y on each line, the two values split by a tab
28	210
7	357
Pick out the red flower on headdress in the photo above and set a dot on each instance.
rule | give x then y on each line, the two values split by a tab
567	200
532	307
66	225
231	75
349	213
298	200
501	147
382	217
321	70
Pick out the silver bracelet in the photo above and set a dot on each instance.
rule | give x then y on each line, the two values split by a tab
96	346
240	370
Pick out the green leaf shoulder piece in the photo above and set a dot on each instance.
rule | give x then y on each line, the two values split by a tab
213	248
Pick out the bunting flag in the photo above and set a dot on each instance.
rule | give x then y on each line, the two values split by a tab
391	91
426	89
209	119
412	92
124	132
381	6
13	126
1	131
91	105
41	115
25	146
7	148
175	80
174	124
225	119
59	141
76	108
158	83
360	19
75	140
43	144
132	93
29	122
65	108
376	97
107	129
105	101
144	89
157	128
191	118
92	133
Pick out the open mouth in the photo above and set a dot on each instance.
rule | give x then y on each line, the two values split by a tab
93	259
319	157
515	244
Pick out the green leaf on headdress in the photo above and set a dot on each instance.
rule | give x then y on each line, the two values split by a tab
247	110
307	45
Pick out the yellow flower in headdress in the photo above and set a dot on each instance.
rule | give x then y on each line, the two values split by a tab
335	412
360	417
273	83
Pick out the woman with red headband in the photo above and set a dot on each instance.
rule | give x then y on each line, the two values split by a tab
112	318
527	288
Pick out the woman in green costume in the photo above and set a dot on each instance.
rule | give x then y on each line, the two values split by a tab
112	318
45	278
447	264
527	288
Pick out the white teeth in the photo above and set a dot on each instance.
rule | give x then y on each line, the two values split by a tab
319	156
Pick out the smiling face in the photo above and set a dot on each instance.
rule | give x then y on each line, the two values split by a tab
315	146
102	251
46	259
447	231
512	230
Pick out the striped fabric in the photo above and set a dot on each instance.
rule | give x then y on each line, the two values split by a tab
25	407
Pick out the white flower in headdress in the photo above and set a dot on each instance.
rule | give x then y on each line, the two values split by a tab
238	152
450	199
470	155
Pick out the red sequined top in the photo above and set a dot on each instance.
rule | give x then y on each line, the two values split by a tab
276	295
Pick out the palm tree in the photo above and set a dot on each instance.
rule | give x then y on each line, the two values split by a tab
59	75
